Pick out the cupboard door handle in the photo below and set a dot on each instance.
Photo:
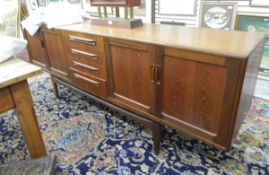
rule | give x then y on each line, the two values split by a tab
87	79
85	66
157	74
89	55
152	73
42	44
82	40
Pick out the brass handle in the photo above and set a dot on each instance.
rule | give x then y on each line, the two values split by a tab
87	79
82	40
152	73
78	52
85	66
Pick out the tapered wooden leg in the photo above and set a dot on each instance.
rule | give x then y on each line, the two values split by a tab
55	87
27	119
156	136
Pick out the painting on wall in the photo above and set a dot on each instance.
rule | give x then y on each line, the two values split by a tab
217	15
249	22
175	7
260	3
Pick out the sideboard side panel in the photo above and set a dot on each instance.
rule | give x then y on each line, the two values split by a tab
248	78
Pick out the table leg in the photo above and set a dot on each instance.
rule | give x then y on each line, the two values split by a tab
55	86
27	119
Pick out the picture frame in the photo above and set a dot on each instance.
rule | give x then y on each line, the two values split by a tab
42	3
254	23
33	4
217	15
175	7
259	3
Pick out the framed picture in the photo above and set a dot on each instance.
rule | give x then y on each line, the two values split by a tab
260	3
175	7
33	4
42	3
254	23
217	15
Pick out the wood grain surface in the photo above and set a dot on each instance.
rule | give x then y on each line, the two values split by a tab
27	119
15	70
235	44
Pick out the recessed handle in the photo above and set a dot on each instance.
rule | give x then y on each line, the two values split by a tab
79	52
85	66
82	40
87	79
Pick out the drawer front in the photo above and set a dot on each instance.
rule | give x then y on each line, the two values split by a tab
84	42
85	53
86	57
83	65
87	82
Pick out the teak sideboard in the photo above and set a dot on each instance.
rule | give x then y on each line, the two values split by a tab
197	81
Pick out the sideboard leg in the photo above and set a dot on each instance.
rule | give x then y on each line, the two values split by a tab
55	87
156	136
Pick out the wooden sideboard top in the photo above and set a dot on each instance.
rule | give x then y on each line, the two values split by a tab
235	44
15	70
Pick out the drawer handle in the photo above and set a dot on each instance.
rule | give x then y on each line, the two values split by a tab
82	40
78	52
85	66
87	79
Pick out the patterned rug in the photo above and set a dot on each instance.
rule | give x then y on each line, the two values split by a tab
89	138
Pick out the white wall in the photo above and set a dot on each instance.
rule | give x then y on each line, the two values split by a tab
192	21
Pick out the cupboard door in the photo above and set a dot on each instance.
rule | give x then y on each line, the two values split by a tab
35	48
197	96
55	52
130	81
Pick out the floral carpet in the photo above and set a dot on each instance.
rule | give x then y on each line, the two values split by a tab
89	138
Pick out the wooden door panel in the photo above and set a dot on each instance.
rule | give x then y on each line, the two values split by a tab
131	78
36	49
193	93
55	51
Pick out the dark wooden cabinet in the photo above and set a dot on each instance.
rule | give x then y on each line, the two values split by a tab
36	50
198	85
55	52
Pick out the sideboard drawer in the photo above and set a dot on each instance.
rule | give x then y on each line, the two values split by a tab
87	82
84	42
86	57
84	66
